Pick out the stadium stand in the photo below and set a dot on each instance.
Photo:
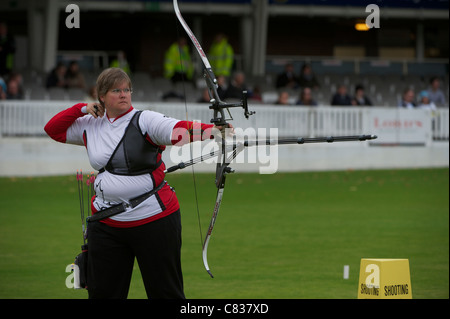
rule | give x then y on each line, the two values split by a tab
383	89
321	37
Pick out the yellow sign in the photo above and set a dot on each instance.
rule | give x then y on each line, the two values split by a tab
384	279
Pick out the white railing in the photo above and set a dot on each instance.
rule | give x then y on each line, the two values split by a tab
28	118
440	127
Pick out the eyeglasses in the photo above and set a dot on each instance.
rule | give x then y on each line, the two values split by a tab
118	91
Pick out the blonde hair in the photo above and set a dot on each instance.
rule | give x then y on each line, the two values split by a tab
109	78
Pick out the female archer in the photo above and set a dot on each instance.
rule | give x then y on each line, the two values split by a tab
136	214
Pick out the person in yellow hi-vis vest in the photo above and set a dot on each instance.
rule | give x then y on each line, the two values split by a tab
7	50
177	62
221	56
121	62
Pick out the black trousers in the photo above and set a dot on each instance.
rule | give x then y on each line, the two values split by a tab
155	245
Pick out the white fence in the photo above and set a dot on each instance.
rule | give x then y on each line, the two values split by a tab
27	119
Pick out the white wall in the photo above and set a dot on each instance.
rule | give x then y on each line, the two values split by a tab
42	156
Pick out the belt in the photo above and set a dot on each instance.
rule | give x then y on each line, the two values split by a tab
122	207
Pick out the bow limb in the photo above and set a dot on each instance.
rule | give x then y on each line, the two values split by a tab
212	86
191	35
210	78
210	228
222	170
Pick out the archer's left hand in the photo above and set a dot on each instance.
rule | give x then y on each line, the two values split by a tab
227	129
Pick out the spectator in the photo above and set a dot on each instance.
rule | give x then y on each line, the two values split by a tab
121	62
407	99
205	98
360	99
3	84
283	98
425	102
7	50
2	92
56	78
13	91
221	56
287	79
435	94
341	98
236	87
307	77
74	77
256	95
221	86
16	76
92	94
306	98
177	62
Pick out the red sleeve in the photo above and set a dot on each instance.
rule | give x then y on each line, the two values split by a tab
187	131
57	127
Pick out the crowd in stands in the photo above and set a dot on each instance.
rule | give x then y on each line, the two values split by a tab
12	87
300	90
306	83
66	77
292	88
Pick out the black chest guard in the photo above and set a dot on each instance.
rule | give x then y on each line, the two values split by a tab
134	155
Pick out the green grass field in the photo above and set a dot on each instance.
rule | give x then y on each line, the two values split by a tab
281	236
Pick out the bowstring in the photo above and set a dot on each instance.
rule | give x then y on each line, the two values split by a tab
189	132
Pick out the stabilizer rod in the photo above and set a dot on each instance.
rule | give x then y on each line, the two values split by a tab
237	147
303	140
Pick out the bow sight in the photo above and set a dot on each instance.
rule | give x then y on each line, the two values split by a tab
218	105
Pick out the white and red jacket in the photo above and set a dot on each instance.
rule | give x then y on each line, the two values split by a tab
101	136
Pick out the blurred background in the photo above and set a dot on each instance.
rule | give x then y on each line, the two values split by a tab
52	53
